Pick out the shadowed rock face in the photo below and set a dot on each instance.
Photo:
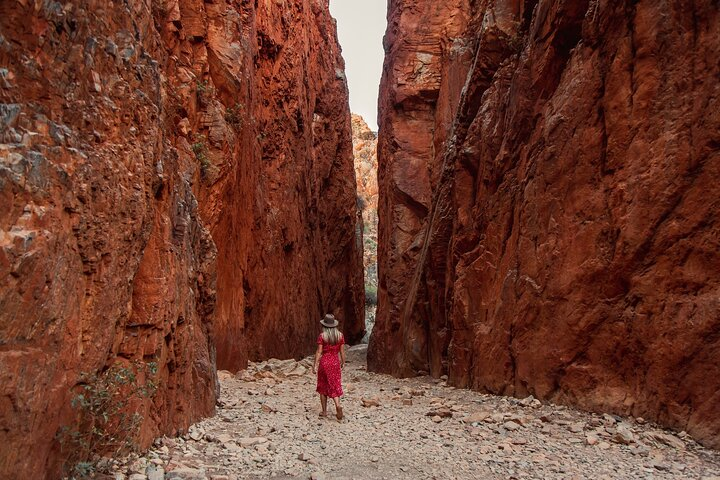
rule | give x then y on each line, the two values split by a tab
172	178
549	222
281	206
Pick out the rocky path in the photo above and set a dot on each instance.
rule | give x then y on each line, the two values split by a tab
268	427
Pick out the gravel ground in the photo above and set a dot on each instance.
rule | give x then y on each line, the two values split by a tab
267	426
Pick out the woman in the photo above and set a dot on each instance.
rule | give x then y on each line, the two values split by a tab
328	366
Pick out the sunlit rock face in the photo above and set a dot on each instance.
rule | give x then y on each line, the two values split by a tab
177	187
548	212
365	153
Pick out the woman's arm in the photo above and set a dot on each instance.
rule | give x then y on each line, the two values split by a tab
318	352
342	356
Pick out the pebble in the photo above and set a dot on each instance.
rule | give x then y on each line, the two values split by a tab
250	441
576	427
669	440
370	402
185	473
511	426
476	417
623	435
155	472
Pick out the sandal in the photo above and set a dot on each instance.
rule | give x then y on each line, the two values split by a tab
339	413
322	415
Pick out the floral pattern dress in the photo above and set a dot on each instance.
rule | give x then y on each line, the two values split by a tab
328	375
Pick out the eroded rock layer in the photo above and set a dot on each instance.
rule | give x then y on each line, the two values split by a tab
174	175
365	153
548	218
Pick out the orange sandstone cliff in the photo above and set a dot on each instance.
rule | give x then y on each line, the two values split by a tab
549	217
177	187
365	153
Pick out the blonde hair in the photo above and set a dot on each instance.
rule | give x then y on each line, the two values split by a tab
331	335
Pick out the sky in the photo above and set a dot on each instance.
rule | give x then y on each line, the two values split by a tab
361	26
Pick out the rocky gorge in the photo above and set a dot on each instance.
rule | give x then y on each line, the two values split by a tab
548	221
185	191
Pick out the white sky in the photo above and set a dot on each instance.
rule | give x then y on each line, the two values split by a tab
361	26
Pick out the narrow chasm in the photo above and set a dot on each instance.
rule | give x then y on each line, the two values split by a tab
365	153
522	254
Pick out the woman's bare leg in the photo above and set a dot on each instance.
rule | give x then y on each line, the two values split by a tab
338	408
323	404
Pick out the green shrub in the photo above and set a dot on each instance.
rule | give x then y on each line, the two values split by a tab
205	92
200	149
516	43
371	296
233	115
104	424
204	88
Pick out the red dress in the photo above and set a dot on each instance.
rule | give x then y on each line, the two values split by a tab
328	375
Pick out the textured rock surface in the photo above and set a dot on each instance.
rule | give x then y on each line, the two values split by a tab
365	153
135	137
564	157
104	255
426	62
281	207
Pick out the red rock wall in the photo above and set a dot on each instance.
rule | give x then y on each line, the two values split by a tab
307	254
134	138
568	189
279	194
426	61
104	256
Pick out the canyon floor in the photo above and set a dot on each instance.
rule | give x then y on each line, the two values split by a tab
267	427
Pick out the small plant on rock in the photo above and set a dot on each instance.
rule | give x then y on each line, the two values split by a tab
200	149
516	40
233	115
516	43
104	423
205	92
204	88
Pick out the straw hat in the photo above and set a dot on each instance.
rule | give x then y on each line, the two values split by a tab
329	321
